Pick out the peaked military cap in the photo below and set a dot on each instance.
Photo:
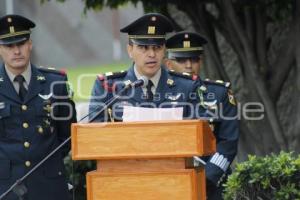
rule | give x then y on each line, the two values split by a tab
14	29
149	29
185	45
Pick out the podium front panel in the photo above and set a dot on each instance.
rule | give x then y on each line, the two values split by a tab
172	185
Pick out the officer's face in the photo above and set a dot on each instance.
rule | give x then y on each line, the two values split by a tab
16	56
148	58
189	65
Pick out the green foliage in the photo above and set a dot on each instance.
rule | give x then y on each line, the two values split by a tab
275	177
82	78
77	175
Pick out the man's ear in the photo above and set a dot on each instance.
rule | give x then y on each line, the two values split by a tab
168	63
129	50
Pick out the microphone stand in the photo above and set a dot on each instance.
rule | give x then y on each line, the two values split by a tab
19	188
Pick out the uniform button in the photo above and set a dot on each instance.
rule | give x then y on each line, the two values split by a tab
59	173
27	163
26	144
25	125
40	130
24	107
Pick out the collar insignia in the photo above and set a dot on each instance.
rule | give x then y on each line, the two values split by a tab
170	82
40	78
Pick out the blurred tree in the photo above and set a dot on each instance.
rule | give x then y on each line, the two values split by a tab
253	44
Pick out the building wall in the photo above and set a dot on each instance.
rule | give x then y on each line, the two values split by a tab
65	37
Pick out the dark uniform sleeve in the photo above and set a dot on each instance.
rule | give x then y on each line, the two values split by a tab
226	133
66	116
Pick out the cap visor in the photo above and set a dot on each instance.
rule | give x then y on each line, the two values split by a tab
184	54
13	40
148	41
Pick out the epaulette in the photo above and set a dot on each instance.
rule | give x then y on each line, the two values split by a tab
112	75
52	70
184	75
217	82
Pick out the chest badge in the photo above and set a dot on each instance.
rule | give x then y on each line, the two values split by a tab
46	96
173	97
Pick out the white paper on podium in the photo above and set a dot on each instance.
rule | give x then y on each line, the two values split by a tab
131	114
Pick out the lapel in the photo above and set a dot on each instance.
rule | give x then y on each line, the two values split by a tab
6	87
165	84
36	84
136	93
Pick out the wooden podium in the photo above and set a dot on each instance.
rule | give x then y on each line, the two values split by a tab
144	160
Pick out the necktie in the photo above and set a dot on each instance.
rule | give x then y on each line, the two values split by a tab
22	90
149	91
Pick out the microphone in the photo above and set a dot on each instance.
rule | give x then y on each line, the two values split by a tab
141	82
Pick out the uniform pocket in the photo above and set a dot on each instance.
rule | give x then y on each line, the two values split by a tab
4	169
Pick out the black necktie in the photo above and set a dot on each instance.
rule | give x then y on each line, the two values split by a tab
22	90
149	91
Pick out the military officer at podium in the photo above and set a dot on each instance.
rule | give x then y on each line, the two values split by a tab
35	117
146	48
216	103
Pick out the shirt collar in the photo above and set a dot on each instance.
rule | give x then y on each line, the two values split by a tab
154	79
26	74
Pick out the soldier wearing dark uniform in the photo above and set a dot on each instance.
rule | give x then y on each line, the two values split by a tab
147	49
35	117
216	103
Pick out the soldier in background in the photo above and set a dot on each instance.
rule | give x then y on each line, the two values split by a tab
217	104
35	117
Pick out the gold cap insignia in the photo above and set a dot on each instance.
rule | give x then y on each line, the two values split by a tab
151	29
186	44
12	29
170	82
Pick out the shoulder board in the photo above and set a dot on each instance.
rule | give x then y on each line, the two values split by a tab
52	70
112	75
217	82
184	75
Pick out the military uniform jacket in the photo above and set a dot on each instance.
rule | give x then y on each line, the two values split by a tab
173	90
217	104
30	130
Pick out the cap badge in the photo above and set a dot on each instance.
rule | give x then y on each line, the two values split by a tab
9	20
186	44
151	29
186	36
153	18
12	29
